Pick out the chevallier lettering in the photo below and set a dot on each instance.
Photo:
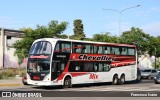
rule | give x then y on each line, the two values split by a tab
99	58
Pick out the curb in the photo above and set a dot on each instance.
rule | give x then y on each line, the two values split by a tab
10	85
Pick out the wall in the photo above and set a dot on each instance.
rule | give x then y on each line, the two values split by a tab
1	47
10	60
7	57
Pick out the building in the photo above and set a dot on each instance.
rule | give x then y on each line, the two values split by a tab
7	38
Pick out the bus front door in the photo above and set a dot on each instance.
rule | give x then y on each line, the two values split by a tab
55	70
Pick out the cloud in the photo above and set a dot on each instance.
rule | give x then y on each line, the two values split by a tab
12	23
6	20
147	12
115	29
152	28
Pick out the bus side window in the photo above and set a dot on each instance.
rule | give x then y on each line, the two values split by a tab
124	51
95	67
77	68
100	67
117	50
88	49
106	67
91	49
88	67
108	50
74	48
83	49
77	48
95	49
66	47
105	50
131	51
71	67
62	66
55	67
57	47
100	50
113	50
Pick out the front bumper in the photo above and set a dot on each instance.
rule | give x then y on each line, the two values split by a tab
145	76
157	80
43	83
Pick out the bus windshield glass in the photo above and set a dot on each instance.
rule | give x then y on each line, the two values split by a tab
38	66
42	47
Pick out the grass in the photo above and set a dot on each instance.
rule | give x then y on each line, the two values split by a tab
10	72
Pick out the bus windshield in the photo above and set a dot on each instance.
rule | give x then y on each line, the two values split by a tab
42	47
38	66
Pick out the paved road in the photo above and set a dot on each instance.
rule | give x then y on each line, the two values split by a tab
145	85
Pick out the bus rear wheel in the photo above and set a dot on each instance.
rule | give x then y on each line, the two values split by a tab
67	83
115	80
122	79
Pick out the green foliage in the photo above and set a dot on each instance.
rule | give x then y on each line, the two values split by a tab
143	41
105	37
154	46
78	30
138	37
54	29
7	73
77	37
21	72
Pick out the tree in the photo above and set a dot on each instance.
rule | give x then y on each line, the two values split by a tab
54	29
105	37
154	46
136	36
78	30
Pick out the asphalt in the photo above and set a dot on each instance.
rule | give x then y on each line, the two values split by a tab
11	82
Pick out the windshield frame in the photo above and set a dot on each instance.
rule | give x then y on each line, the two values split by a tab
42	46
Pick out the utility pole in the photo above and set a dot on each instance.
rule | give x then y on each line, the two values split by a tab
155	57
120	13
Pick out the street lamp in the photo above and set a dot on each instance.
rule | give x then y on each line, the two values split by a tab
120	12
155	57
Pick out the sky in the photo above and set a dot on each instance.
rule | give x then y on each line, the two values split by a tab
16	14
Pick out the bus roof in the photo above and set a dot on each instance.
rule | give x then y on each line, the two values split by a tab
81	41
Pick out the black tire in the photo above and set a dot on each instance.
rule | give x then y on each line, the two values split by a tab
139	77
67	83
156	82
122	79
115	80
24	83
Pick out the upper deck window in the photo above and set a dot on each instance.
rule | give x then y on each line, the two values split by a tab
42	47
131	51
63	46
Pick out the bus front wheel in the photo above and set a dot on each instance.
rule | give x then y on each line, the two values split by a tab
115	80
67	83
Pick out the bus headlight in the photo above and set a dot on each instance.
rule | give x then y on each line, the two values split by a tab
47	78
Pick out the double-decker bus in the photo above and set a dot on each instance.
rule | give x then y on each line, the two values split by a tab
67	62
